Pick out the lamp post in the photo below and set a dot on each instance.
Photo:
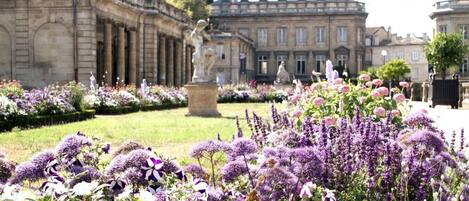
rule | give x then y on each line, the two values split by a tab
384	53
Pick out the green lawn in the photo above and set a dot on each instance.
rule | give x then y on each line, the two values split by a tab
169	132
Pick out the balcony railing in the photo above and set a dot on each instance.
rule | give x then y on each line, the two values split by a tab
286	7
452	4
156	7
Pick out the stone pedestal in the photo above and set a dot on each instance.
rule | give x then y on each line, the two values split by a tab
465	91
202	99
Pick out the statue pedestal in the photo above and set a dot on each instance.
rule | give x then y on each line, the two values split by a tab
202	99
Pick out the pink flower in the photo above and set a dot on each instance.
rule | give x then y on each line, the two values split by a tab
338	81
318	101
377	82
369	84
395	113
380	112
399	98
375	94
404	84
295	99
364	77
297	113
344	89
424	111
330	121
383	91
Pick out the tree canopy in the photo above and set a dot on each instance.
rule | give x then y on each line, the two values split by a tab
393	70
444	51
197	9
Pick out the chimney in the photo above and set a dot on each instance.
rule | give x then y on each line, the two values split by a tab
389	32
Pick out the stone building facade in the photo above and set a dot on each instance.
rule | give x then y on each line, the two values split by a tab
55	41
235	58
452	16
302	33
409	48
375	37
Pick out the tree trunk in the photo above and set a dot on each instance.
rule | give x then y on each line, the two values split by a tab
443	74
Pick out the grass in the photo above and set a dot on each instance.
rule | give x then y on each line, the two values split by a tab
169	132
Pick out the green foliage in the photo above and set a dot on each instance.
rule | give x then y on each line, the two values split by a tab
444	51
197	9
393	70
371	71
77	94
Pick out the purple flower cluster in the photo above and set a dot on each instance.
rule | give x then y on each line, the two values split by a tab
72	145
35	169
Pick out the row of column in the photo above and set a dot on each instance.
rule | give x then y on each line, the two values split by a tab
174	63
121	54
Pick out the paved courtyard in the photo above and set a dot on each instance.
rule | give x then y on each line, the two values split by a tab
447	119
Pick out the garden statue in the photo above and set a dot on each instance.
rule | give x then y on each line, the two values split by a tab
282	75
202	92
316	75
204	57
330	72
143	88
93	84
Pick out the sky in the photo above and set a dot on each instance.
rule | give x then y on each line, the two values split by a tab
404	16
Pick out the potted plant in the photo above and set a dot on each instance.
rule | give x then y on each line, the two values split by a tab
445	51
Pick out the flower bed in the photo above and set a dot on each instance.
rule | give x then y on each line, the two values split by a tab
248	94
19	107
359	158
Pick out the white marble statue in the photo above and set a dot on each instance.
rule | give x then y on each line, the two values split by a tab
204	57
330	72
93	84
282	75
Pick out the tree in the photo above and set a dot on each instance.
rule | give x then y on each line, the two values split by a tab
393	70
197	9
444	51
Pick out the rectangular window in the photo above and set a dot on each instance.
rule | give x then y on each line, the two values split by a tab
368	42
262	36
415	73
464	31
301	36
320	62
300	64
221	52
401	55
443	29
464	67
415	56
281	58
282	36
359	36
320	35
262	65
342	60
244	31
342	34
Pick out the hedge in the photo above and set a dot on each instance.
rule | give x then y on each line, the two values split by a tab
45	120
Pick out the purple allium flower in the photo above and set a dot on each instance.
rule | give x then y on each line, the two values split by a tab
170	166
196	171
87	174
419	119
277	183
448	159
427	138
128	147
232	170
71	145
6	170
134	176
208	147
116	165
137	158
35	169
242	147
215	194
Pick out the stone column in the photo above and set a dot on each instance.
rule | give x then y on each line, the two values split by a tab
184	60
178	60
121	55
133	58
188	64
162	61
170	66
108	52
465	90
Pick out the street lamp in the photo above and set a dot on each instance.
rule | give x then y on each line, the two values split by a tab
384	53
